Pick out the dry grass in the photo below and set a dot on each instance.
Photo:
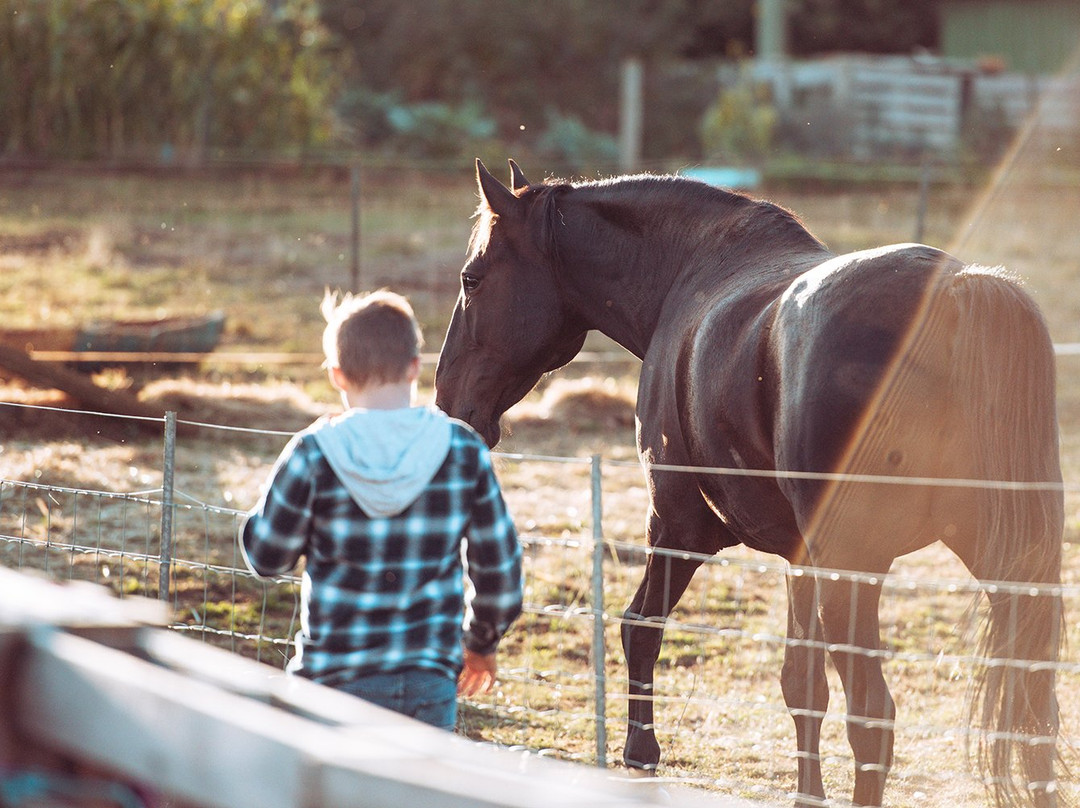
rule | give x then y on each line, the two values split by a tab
73	248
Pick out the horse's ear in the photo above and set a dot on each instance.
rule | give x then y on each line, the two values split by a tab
517	177
498	197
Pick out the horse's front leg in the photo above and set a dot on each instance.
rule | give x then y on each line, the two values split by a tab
804	684
666	578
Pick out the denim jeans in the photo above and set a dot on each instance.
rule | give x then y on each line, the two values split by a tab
426	695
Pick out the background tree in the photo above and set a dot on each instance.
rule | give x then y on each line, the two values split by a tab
122	78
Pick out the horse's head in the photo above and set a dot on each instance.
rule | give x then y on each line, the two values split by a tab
510	324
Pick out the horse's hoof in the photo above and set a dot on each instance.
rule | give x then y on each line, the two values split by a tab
640	774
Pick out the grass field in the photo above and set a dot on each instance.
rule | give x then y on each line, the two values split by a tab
82	245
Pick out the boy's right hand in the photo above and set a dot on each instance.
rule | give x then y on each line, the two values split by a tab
478	675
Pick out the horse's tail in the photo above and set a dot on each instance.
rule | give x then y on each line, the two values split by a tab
1004	359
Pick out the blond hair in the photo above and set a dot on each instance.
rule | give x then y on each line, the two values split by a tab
372	338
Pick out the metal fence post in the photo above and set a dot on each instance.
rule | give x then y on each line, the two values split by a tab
354	209
167	477
599	647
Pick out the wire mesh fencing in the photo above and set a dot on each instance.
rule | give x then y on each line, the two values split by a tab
720	715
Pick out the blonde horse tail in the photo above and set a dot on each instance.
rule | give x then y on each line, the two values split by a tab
1005	360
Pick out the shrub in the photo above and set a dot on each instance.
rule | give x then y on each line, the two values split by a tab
739	125
568	141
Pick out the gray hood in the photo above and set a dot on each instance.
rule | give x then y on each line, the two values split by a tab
385	458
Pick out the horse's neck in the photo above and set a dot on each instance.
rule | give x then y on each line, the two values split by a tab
627	307
628	297
631	273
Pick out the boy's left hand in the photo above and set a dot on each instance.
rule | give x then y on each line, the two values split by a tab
478	675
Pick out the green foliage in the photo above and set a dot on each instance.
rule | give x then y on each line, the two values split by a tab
568	141
441	130
517	59
363	113
107	78
739	125
427	129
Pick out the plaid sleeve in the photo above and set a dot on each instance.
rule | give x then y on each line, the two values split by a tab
274	534
494	558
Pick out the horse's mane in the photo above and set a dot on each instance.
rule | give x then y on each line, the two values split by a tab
629	201
668	196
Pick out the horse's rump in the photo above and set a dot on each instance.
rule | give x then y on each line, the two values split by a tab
903	363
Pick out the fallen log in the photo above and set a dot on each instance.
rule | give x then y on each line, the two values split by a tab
100	399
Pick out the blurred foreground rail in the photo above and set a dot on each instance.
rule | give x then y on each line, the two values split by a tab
103	706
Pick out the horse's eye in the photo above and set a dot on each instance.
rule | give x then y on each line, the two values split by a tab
469	282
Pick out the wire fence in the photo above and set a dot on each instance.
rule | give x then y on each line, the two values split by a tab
720	715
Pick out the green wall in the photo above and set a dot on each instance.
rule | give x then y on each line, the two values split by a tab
1032	36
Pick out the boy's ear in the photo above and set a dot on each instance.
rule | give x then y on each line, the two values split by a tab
337	377
413	373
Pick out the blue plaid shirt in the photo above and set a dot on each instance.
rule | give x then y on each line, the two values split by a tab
387	594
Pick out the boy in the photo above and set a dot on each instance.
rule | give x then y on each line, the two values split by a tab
377	500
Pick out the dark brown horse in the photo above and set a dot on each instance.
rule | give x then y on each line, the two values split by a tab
852	377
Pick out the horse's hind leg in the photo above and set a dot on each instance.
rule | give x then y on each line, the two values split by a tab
849	614
805	687
666	578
